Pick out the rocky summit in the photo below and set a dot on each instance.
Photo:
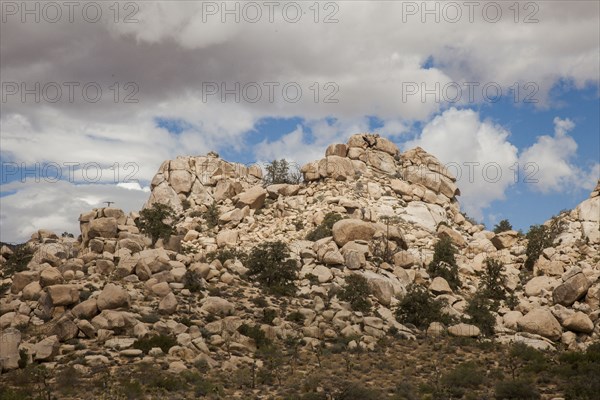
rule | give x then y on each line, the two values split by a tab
362	233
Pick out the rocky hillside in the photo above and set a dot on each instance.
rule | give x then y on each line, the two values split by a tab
110	288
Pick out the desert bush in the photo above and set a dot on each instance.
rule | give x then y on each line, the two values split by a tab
444	263
579	372
296	317
157	221
270	264
515	390
227	254
502	226
269	314
255	333
192	280
464	376
356	292
323	230
17	262
211	215
165	342
355	391
420	308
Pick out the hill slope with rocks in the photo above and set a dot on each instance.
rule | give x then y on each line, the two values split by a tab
365	210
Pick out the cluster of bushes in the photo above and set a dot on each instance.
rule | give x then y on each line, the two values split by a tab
323	230
420	308
164	342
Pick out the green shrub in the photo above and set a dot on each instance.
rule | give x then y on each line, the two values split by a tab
356	292
502	226
255	333
152	221
324	228
420	308
580	371
515	390
444	263
278	171
270	264
353	391
192	280
296	317
269	315
227	254
464	376
211	215
17	262
165	342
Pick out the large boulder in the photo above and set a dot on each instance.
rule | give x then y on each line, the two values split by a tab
464	330
347	230
540	321
10	339
505	240
22	279
426	215
50	276
589	216
103	227
579	322
571	290
253	198
47	348
63	295
112	296
217	305
86	309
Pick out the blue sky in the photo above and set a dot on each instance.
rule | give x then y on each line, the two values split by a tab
161	79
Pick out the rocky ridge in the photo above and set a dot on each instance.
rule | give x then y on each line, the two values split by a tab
110	287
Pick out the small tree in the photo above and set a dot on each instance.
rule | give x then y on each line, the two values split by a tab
357	292
157	221
444	263
420	308
270	265
502	226
278	171
479	308
492	281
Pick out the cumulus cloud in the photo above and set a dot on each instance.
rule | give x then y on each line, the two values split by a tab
165	60
477	152
549	162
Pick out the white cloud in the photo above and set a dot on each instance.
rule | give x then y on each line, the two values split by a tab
549	162
56	206
477	152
